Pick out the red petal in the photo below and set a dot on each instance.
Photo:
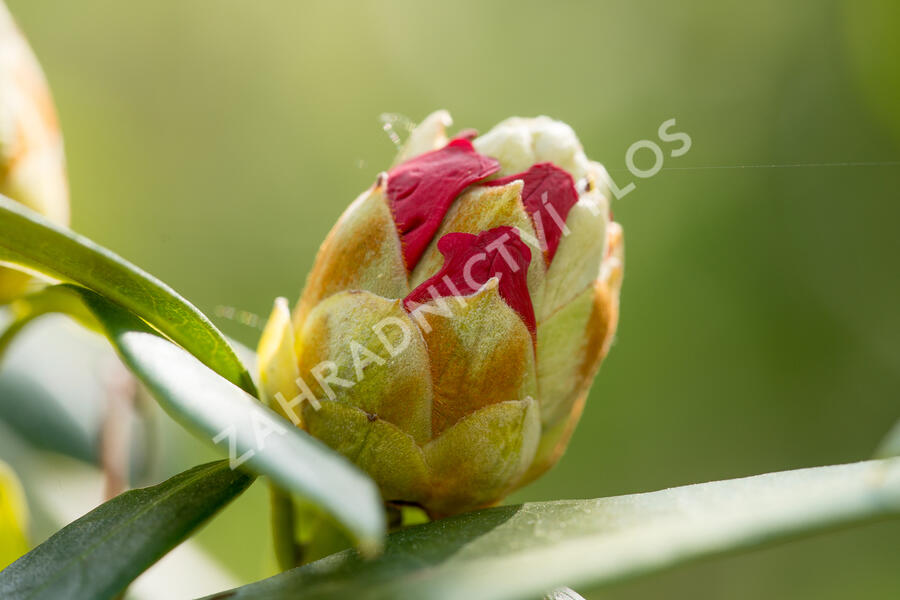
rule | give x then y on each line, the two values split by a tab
546	185
470	260
421	190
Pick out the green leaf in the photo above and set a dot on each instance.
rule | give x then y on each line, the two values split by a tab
523	551
30	240
253	435
98	555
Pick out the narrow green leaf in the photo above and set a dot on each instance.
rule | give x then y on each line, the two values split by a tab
30	240
251	434
98	555
523	551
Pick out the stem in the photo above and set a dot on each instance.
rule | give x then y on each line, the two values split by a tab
115	434
287	551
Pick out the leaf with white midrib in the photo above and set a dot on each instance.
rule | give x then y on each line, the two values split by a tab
522	552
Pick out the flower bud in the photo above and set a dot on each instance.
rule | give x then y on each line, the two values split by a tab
456	315
32	167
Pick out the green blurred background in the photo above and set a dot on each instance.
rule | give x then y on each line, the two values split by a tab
214	143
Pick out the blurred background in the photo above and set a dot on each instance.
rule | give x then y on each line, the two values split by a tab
214	143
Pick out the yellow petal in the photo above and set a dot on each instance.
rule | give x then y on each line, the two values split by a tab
364	350
475	462
480	209
481	353
278	370
391	457
362	252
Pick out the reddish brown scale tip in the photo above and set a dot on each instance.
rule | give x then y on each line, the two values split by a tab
467	134
471	260
422	189
548	195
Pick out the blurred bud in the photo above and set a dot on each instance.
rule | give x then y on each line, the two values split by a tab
456	315
32	165
13	517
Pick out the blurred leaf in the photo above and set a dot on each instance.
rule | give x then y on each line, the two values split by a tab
317	535
98	555
36	415
222	413
13	517
890	445
522	551
29	406
564	594
873	49
30	240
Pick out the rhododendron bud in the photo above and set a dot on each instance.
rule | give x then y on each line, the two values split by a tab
456	315
32	169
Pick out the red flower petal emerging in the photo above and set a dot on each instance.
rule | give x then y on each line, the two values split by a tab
421	190
470	260
548	195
